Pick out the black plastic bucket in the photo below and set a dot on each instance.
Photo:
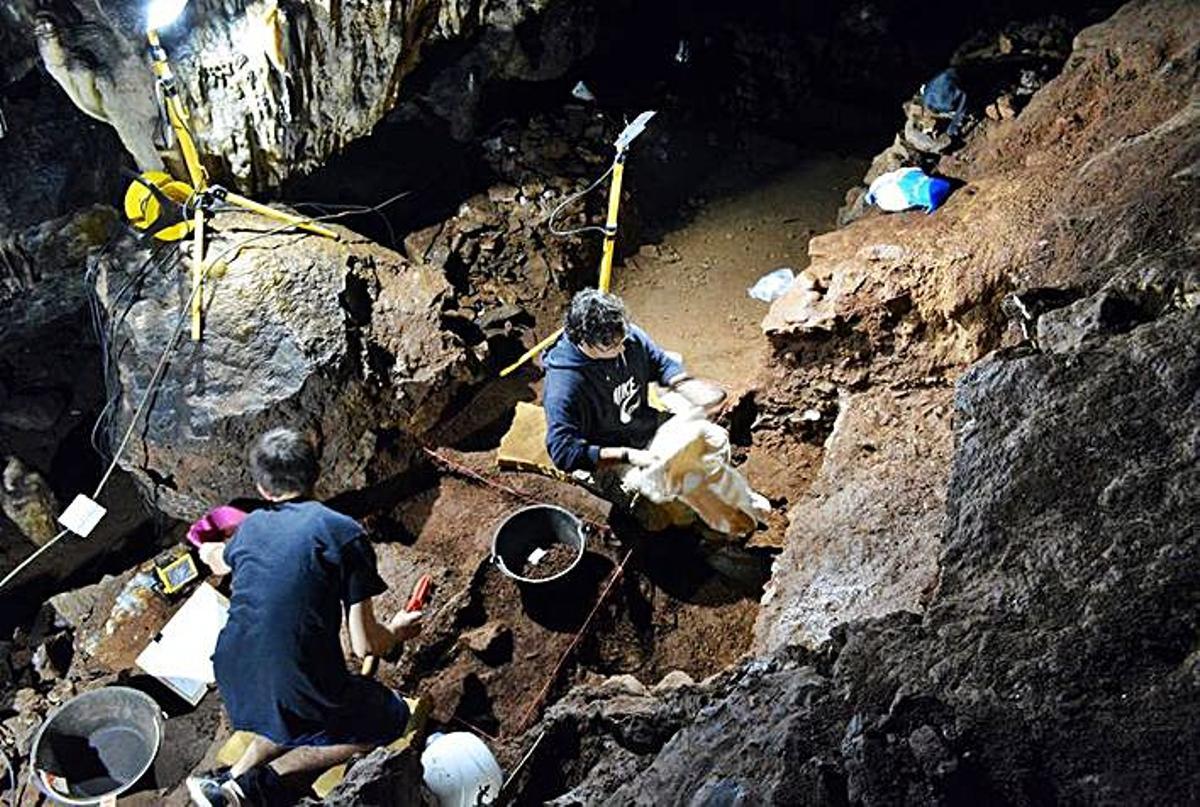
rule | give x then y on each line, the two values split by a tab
97	745
530	529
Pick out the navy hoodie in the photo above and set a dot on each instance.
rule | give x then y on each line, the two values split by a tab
592	403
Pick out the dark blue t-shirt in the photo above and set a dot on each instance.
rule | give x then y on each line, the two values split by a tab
296	567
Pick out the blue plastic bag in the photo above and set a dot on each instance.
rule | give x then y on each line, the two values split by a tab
906	188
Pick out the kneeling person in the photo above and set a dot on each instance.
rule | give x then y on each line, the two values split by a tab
297	566
597	387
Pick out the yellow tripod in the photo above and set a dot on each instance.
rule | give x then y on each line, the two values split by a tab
610	229
151	196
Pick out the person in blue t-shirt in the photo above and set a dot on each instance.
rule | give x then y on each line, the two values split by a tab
297	567
598	374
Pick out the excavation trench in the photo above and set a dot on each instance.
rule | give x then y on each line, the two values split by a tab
495	652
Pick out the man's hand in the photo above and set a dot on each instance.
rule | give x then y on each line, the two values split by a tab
213	556
406	624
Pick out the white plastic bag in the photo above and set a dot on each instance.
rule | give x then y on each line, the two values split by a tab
773	285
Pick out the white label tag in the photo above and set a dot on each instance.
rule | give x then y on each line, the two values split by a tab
82	516
535	556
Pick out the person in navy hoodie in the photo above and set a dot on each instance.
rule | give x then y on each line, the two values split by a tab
598	414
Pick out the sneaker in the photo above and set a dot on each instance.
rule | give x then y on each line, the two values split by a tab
214	789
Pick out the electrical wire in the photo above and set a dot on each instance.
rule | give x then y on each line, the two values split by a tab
570	199
184	319
322	207
163	257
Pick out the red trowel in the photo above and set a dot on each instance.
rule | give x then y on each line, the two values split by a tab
416	602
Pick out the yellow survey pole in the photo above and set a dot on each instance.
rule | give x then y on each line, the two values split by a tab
176	113
606	261
177	116
610	226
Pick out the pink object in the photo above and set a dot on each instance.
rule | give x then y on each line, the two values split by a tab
216	525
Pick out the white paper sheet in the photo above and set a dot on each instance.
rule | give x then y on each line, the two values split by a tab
181	655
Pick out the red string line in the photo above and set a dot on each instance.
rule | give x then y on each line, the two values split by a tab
463	470
537	702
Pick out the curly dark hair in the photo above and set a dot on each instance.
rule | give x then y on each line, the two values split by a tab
283	461
596	318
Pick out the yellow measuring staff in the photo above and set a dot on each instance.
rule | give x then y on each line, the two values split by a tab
143	208
176	113
610	241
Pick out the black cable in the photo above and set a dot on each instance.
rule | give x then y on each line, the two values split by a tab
164	256
323	208
569	199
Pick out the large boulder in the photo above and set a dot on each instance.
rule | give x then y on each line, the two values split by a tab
341	337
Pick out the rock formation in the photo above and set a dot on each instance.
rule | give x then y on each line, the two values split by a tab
340	337
987	593
28	501
276	88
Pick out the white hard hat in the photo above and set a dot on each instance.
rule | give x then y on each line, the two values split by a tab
460	770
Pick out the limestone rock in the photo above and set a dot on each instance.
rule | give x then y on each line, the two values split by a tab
1047	199
675	679
1054	635
865	540
54	159
43	268
52	658
72	608
1066	329
342	338
30	708
28	502
275	89
382	777
34	410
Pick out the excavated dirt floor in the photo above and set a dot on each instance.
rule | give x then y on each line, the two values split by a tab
491	647
490	653
755	213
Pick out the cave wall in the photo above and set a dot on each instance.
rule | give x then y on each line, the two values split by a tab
1036	486
1091	187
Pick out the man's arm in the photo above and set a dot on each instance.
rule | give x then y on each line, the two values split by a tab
370	637
569	449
